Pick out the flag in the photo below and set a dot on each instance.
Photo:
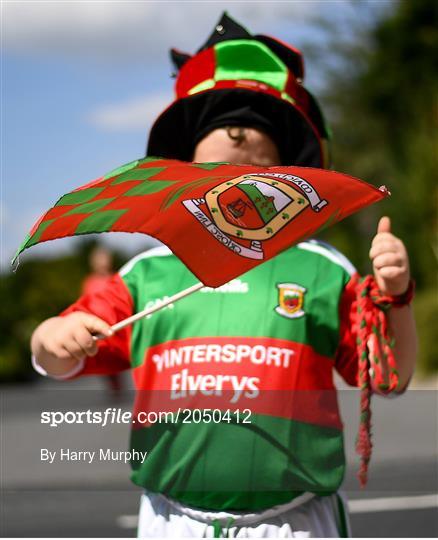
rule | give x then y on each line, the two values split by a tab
221	220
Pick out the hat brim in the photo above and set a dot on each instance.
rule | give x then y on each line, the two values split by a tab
174	133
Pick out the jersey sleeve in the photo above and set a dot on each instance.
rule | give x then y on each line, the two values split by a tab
112	304
346	359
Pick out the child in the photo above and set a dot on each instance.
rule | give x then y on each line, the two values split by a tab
272	336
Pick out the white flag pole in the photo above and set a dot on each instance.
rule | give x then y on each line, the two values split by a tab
141	314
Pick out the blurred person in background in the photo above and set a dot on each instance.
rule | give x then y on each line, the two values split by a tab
101	270
240	99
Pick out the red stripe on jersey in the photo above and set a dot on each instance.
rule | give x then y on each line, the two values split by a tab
268	376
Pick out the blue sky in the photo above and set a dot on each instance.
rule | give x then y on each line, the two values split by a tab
82	81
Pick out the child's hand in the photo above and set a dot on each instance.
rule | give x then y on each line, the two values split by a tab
390	260
61	342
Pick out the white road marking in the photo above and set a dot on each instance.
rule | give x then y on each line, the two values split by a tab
357	506
127	522
385	504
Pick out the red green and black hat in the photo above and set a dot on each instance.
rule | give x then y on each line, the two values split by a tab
236	78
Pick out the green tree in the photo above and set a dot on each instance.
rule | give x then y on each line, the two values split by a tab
381	96
39	289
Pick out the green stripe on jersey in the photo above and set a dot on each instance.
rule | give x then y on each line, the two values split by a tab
251	313
225	467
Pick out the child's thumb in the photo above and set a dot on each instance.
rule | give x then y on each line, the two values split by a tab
384	225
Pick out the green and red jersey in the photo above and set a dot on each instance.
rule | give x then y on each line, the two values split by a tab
267	342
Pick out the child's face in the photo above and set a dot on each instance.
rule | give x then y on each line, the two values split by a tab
254	148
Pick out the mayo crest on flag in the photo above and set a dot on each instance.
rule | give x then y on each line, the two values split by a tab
221	220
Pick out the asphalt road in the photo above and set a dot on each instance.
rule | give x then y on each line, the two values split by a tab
76	500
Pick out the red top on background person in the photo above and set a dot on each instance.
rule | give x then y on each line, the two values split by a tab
102	269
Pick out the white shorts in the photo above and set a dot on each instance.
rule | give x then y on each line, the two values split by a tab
307	516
